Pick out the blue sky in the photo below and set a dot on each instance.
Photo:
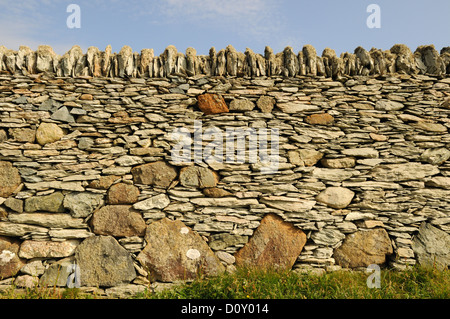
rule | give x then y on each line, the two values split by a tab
202	24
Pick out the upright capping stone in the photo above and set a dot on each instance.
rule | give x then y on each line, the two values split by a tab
125	61
431	60
328	58
180	64
364	63
71	63
106	61
291	65
93	61
253	67
146	62
379	63
213	60
404	59
221	63
45	59
310	55
445	56
270	60
349	60
26	60
232	60
190	61
169	57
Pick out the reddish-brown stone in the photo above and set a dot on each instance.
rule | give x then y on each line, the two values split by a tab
212	104
320	119
215	192
104	182
274	244
87	97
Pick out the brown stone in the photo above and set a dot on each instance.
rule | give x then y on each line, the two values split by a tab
212	104
48	133
275	243
118	221
446	103
23	134
342	162
266	103
3	136
304	157
122	193
157	174
363	248
9	179
320	119
175	252
10	263
215	192
87	97
378	137
104	182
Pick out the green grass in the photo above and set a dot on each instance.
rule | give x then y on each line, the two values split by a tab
414	283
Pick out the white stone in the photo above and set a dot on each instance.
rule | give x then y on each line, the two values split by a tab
296	107
290	204
193	254
386	105
225	201
159	201
331	174
366	152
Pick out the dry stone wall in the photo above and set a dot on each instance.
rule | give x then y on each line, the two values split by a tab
91	189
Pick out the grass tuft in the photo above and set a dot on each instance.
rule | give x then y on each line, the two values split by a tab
414	283
247	283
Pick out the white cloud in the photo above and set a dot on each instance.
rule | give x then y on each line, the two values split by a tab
249	18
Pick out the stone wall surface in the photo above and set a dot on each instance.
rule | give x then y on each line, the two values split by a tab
88	177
